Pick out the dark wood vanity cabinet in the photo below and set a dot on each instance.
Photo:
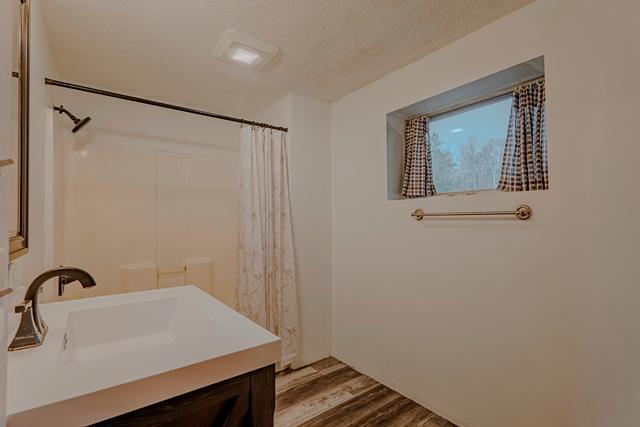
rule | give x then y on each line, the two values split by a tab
245	400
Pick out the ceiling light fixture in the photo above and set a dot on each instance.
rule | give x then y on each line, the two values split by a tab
244	56
240	48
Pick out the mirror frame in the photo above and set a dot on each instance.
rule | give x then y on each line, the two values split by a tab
19	243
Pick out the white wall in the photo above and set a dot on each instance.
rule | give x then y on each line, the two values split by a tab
25	268
144	185
502	323
309	124
610	126
395	155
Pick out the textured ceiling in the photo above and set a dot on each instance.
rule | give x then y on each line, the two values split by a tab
162	48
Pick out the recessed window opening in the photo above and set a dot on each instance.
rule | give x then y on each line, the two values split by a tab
486	135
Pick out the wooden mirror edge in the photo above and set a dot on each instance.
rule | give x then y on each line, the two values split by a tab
18	244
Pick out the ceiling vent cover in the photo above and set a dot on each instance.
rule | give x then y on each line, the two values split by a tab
241	49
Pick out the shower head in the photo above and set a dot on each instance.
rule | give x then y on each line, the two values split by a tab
78	123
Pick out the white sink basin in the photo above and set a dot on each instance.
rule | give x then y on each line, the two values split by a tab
110	355
136	326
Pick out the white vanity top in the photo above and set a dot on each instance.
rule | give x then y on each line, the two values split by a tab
110	355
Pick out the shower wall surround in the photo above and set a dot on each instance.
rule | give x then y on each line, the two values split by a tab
142	188
142	199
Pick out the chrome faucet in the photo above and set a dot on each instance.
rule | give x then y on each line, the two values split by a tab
32	329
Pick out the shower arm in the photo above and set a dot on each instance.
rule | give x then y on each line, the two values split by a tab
61	110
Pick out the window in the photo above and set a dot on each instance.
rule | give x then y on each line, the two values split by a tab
464	140
467	137
467	145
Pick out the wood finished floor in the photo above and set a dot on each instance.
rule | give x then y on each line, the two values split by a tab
329	393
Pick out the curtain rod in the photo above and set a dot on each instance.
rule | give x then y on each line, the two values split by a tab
102	92
476	100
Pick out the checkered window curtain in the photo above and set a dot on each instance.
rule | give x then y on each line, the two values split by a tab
524	162
418	172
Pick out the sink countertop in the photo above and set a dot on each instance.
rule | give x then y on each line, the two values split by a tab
44	391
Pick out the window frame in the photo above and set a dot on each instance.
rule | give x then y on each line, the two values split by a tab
466	106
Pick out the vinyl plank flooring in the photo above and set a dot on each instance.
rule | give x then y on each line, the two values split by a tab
321	403
306	390
352	411
286	379
416	416
329	393
298	377
387	414
326	363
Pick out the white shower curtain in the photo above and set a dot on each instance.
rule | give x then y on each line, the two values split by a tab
266	289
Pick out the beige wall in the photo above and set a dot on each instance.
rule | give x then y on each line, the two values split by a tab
501	323
145	186
309	124
607	121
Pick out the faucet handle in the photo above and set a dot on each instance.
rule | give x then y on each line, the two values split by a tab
21	308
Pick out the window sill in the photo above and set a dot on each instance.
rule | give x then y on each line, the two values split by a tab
467	193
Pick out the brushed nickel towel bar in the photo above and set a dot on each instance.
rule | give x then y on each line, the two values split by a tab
523	212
